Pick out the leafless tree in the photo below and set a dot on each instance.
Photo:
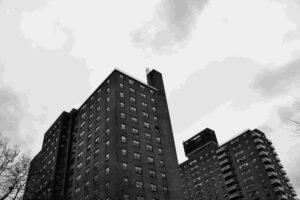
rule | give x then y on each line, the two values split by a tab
13	171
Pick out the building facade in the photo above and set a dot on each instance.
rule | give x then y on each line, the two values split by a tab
118	145
246	167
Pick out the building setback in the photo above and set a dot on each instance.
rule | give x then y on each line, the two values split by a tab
246	167
118	145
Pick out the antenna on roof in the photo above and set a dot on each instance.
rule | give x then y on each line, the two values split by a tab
147	70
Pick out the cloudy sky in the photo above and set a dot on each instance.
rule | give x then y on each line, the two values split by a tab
228	65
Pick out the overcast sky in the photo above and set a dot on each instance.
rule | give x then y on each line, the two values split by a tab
228	65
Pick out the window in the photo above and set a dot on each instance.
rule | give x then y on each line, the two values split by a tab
145	114
121	85
160	152
131	82
123	139
107	143
89	136
124	166
152	100
136	143
146	125
96	164
154	109
88	159
135	131
124	152
134	120
123	115
153	187
150	160
152	173
133	109
123	126
142	87
132	99
125	180
139	184
165	189
155	118
87	171
132	90
122	95
140	198
137	156
149	147
107	170
122	105
121	76
97	140
81	134
79	154
143	95
78	177
163	176
98	108
144	104
89	147
107	100
138	170
79	165
80	144
158	139
148	136
162	163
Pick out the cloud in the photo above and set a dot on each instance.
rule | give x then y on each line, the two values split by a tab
45	82
292	166
206	90
12	111
172	24
272	82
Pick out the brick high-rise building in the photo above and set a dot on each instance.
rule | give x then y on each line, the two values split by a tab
246	167
118	145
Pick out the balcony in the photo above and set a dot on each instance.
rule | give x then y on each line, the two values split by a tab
269	167
263	154
278	189
255	134
286	178
275	153
231	188
277	159
258	141
266	160
275	182
229	174
226	161
282	197
230	181
221	149
223	155
226	168
260	147
235	195
272	147
280	165
283	171
272	174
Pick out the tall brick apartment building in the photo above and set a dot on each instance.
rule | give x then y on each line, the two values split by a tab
117	145
244	168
